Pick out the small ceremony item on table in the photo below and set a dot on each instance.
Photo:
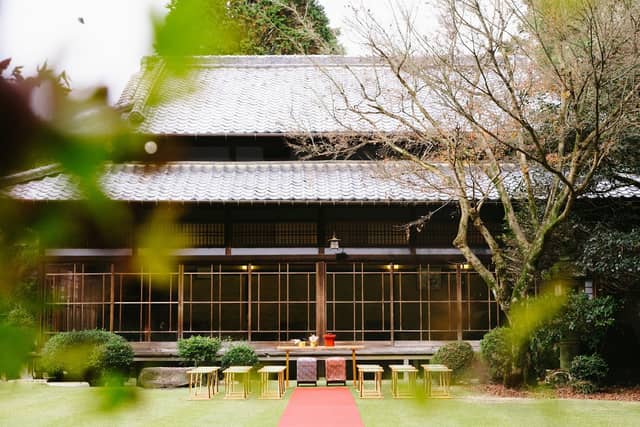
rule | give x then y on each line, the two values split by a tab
313	341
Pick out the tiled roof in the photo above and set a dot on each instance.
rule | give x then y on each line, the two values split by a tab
271	182
275	94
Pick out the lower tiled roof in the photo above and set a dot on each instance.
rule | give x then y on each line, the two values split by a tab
270	182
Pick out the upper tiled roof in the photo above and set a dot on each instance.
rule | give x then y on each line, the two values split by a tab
270	182
261	94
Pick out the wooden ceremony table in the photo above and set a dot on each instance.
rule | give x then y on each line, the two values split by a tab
321	348
444	380
396	390
239	374
195	381
265	390
376	391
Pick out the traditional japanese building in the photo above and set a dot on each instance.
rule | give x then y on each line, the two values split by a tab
259	223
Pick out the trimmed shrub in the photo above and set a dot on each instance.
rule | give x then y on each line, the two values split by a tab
199	350
583	387
20	317
581	323
114	360
497	351
240	354
17	338
583	319
589	368
456	355
89	355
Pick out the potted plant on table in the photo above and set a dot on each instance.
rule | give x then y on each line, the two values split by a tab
329	339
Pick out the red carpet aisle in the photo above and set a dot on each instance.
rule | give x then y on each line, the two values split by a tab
322	407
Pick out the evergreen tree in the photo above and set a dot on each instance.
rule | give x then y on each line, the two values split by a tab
246	27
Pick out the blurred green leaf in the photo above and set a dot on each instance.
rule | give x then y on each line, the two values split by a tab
16	344
114	398
157	240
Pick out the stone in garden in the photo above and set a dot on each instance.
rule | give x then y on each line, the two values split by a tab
163	377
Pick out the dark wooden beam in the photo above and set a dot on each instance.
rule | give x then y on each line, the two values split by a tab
112	297
180	300
321	298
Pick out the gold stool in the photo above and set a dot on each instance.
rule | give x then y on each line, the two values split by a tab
236	382
410	373
265	391
376	391
443	376
195	381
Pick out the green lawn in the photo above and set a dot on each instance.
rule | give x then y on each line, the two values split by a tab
37	404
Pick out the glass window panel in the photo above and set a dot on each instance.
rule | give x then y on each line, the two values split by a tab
377	336
341	267
131	291
424	284
312	317
160	317
298	317
440	316
466	335
410	316
215	311
268	317
268	287
386	284
478	288
373	316
444	336
233	317
343	287
94	289
358	317
346	336
465	315
160	287
231	287
164	336
425	315
96	268
479	316
329	314
344	316
200	287
373	287
160	291
265	336
299	285
409	286
131	317
439	286
136	336
302	268
404	335
200	317
91	317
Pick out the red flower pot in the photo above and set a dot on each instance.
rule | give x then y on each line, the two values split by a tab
329	340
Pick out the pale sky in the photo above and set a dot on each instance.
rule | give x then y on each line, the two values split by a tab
106	49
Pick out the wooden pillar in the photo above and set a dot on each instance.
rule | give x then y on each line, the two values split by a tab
228	231
459	299
321	298
180	299
249	268
42	292
147	327
112	297
392	303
